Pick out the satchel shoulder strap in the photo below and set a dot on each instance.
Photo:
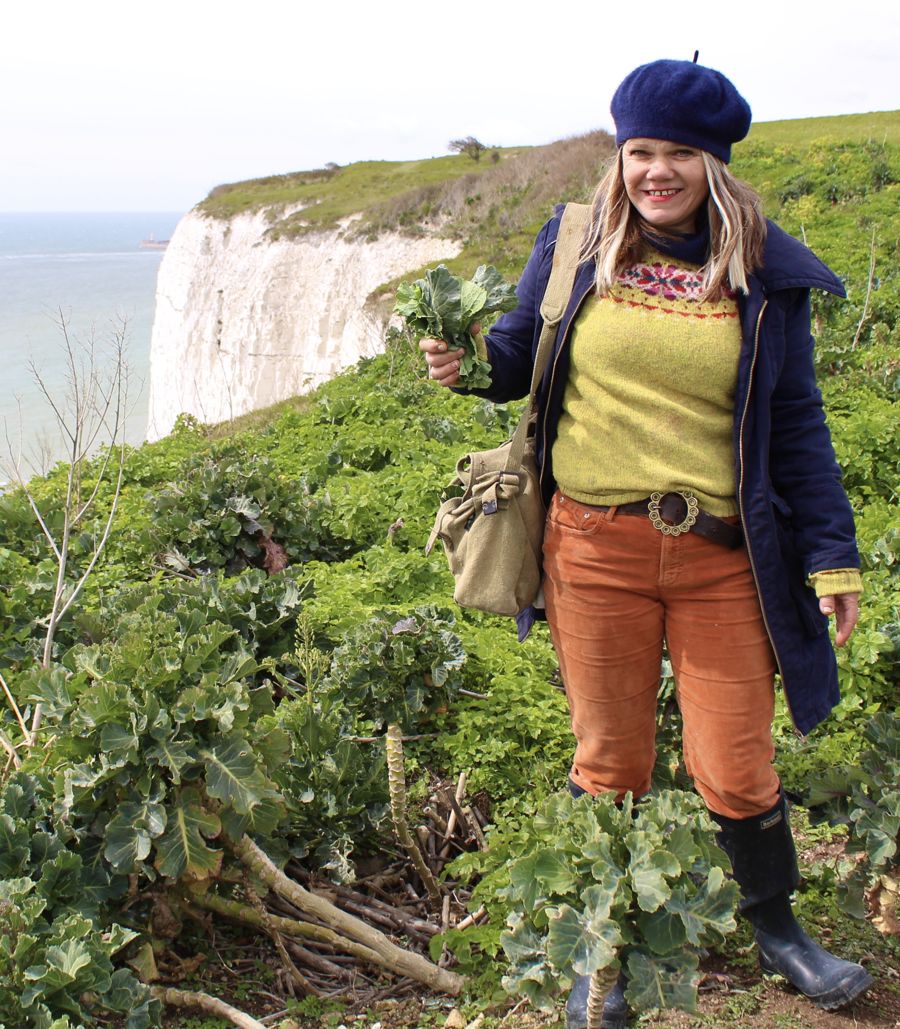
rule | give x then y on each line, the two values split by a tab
572	228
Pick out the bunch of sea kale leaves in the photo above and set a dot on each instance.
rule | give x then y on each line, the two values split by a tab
444	306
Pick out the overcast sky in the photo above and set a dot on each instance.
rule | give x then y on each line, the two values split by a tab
147	105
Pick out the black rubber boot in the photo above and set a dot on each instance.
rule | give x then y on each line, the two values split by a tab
615	1007
764	860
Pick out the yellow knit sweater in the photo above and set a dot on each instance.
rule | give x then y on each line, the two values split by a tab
650	398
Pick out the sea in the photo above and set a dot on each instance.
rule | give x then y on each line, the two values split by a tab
90	272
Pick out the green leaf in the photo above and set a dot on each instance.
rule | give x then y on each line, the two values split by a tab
64	962
174	755
15	847
130	833
501	295
119	743
580	944
117	937
708	915
662	982
663	931
232	775
682	843
520	941
182	850
51	690
553	871
879	827
472	299
650	867
528	974
61	877
524	886
100	704
445	306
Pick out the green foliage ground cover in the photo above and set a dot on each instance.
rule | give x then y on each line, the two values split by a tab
194	696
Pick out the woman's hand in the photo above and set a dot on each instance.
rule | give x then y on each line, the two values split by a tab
845	608
443	364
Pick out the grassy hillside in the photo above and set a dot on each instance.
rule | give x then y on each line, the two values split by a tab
497	205
329	194
848	128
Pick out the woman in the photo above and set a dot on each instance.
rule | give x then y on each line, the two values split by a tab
693	495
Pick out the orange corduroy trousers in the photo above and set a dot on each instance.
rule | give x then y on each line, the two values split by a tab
616	590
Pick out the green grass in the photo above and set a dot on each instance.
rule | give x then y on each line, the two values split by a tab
849	128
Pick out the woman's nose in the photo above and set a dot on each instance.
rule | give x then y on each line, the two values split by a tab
659	168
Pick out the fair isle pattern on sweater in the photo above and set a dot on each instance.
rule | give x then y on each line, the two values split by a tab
671	289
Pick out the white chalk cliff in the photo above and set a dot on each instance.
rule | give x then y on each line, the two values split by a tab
243	321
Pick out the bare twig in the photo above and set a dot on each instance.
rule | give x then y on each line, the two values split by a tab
316	961
473	918
368	905
475	828
454	813
445	925
6	743
460	793
404	739
298	979
865	313
389	955
11	700
93	410
204	1002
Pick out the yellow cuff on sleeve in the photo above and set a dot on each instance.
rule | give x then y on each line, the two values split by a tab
836	580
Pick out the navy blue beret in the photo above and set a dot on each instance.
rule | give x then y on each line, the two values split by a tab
681	102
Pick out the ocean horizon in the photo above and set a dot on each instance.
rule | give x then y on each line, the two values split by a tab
88	269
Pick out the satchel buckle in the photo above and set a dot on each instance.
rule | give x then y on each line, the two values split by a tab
497	495
691	510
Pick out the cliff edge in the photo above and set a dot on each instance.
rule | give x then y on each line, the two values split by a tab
243	321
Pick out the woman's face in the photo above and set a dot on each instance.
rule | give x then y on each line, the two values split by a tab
665	181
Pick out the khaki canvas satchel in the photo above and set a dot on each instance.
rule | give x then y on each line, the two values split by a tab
493	532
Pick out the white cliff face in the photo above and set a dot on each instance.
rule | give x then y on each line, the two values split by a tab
242	322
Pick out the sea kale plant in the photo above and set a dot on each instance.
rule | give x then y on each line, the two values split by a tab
56	952
443	305
601	887
157	757
231	509
866	798
400	671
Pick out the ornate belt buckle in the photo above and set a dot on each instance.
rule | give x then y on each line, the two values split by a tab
690	517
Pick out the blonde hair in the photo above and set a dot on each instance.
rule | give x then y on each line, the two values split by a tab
737	229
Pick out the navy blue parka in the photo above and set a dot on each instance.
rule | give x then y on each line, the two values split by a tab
795	513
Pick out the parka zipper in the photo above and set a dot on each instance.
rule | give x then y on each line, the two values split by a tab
740	498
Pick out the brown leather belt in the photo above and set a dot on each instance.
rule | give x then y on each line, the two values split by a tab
675	513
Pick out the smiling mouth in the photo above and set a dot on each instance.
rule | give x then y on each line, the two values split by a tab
662	192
